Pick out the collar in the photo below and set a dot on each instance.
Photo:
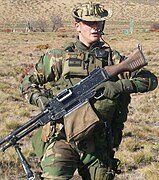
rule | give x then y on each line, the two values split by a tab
82	47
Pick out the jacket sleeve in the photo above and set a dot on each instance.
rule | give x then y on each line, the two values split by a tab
142	80
48	69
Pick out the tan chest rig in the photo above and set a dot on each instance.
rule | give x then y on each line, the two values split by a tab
78	65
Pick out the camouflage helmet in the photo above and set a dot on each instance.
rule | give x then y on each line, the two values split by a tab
90	12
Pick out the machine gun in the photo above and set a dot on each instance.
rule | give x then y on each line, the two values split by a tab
69	100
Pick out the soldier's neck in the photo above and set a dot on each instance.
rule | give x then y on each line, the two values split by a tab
86	42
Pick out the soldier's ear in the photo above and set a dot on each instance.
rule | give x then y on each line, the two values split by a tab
77	26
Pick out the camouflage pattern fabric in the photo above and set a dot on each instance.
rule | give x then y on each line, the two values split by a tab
62	158
60	161
90	12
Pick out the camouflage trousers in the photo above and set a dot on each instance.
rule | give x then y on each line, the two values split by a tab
89	156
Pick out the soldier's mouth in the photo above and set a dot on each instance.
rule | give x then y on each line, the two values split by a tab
95	33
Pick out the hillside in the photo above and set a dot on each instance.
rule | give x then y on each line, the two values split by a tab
13	13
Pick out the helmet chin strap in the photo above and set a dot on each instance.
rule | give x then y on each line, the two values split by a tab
105	41
101	30
102	33
103	25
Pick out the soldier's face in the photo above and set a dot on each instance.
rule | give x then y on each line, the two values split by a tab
89	31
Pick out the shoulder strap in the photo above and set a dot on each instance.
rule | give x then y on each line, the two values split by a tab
70	47
104	55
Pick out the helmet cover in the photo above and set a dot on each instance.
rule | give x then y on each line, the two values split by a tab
90	12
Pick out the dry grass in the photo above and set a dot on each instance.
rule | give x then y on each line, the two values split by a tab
139	151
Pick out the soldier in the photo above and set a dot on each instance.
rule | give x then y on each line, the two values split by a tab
90	150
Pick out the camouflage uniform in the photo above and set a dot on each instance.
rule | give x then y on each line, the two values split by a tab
92	155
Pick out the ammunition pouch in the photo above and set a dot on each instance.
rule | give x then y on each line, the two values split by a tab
80	123
103	174
74	64
39	146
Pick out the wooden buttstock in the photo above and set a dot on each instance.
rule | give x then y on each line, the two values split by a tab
135	61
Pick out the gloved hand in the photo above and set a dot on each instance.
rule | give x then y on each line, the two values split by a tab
39	100
112	89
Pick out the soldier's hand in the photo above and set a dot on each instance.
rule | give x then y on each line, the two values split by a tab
40	101
111	89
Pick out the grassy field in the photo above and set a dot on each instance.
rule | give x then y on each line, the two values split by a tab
139	151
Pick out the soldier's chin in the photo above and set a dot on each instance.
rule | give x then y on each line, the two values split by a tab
95	37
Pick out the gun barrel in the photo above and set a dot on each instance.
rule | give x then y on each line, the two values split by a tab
6	146
5	139
20	132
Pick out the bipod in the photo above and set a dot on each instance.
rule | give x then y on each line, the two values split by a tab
25	165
